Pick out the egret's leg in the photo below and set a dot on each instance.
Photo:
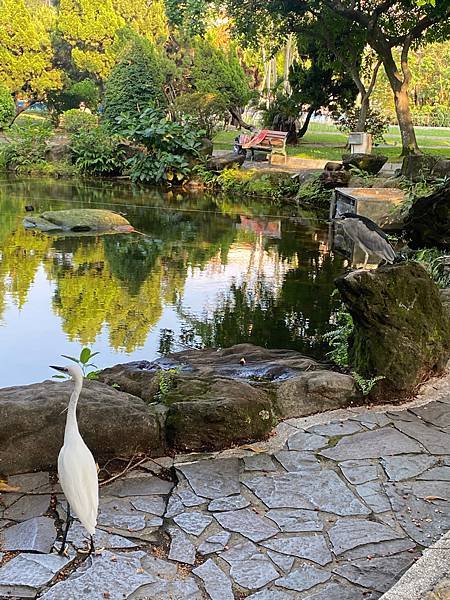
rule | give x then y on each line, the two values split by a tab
92	547
69	520
365	259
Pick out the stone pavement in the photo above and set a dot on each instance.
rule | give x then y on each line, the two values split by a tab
337	511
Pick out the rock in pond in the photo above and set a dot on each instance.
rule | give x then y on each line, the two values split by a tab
401	329
226	161
112	423
78	220
370	163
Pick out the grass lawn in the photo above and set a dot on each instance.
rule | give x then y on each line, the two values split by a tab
326	142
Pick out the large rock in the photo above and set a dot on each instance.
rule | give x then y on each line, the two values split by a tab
58	148
77	220
316	391
112	423
402	331
226	161
333	179
215	413
370	163
428	221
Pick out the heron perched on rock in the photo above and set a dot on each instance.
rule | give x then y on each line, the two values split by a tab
77	470
367	235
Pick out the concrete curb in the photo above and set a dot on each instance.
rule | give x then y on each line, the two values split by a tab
432	568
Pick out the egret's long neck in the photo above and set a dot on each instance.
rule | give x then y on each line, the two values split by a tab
71	421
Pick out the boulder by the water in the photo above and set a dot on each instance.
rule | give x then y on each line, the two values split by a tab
401	330
333	179
417	167
112	423
428	221
370	163
78	220
226	161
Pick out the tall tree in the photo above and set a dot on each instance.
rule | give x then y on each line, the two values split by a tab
386	24
146	17
25	48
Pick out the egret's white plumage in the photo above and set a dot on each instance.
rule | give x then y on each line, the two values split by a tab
77	470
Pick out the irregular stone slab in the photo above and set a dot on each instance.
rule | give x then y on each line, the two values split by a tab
181	548
174	507
436	413
180	588
117	513
26	573
281	560
293	460
385	548
158	567
304	440
247	523
436	474
111	422
79	538
378	573
117	574
418	518
322	490
336	428
193	522
435	441
295	520
215	543
372	419
147	485
228	503
358	471
30	482
28	507
312	547
303	578
406	466
315	392
339	591
349	533
213	478
188	498
253	573
259	462
374	496
270	595
217	584
150	504
239	552
35	535
372	444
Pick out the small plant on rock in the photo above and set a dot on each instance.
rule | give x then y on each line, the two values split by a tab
84	362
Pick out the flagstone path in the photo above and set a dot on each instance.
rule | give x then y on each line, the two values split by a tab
338	513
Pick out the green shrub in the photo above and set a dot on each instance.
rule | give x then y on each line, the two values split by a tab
7	107
376	123
313	193
70	97
255	182
204	109
170	149
27	148
136	82
437	263
338	337
97	152
75	120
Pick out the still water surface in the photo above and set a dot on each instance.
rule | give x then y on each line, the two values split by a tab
214	271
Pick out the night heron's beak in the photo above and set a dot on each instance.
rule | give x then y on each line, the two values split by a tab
62	369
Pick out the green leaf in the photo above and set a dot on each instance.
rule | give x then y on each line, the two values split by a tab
85	355
59	377
75	360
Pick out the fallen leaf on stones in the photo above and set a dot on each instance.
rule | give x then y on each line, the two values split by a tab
106	595
140	571
113	558
255	449
431	498
4	487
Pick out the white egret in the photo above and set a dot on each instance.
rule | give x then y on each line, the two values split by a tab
77	470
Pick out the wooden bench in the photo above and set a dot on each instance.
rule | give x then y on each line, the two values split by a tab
273	141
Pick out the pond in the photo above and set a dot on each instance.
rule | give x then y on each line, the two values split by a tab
212	270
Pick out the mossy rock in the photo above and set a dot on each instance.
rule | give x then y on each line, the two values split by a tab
78	220
370	163
428	221
401	329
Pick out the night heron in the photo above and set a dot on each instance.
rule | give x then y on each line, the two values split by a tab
77	470
367	235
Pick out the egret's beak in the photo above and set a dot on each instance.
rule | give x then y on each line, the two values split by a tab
62	369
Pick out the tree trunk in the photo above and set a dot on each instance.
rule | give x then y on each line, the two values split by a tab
304	128
363	111
236	116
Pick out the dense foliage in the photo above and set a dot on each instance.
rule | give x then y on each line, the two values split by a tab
7	106
376	123
204	109
168	149
136	82
27	148
73	94
74	120
96	152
